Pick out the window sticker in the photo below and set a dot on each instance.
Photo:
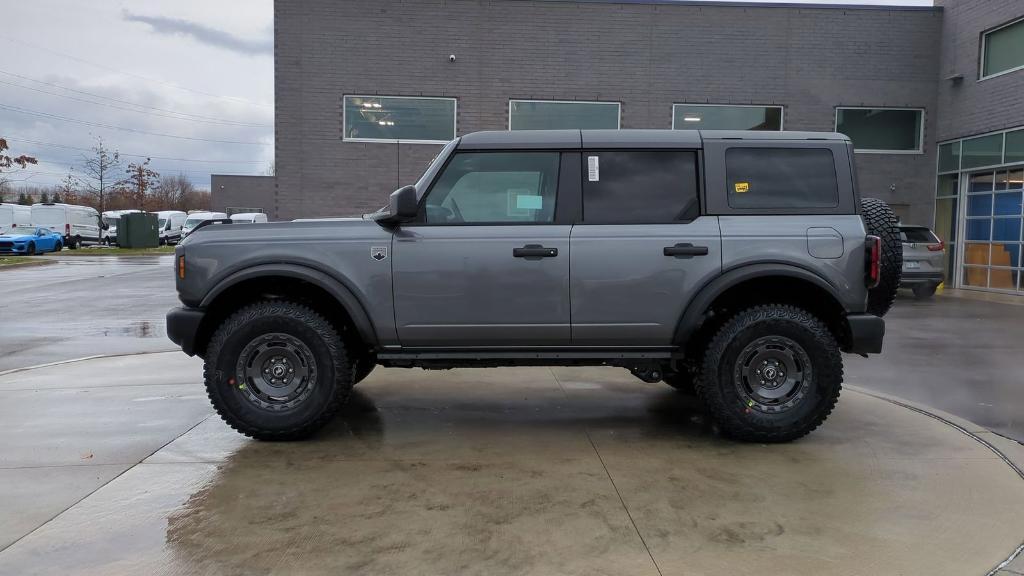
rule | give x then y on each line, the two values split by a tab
741	187
593	169
529	202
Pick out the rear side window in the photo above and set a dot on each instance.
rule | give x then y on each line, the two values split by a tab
639	186
774	178
917	235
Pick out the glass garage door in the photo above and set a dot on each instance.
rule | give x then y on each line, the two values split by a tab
992	230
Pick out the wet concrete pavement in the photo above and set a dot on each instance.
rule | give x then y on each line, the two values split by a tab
83	306
505	471
117	465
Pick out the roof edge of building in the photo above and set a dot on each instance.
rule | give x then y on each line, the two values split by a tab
747	4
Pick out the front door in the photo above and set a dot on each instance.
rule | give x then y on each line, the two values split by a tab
486	264
642	249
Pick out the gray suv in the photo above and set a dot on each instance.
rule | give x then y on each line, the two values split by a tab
734	265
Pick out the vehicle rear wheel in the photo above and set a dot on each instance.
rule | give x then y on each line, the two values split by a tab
277	370
772	373
881	221
72	245
58	247
924	291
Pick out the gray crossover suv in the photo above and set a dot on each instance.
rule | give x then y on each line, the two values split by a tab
734	265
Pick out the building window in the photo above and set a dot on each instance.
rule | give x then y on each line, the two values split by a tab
720	117
398	118
982	151
883	130
1002	49
1014	147
949	157
764	178
569	115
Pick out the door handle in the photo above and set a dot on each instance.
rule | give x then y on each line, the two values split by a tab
685	250
534	251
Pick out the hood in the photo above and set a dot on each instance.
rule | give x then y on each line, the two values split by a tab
270	232
16	236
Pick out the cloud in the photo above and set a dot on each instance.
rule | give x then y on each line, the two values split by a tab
204	34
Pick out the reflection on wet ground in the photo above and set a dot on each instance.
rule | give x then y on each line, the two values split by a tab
515	471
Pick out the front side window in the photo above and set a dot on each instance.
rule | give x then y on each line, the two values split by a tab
773	178
552	115
882	130
398	118
495	188
717	117
1003	49
639	186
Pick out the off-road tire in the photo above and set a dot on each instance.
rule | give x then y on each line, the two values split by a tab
924	291
881	221
330	386
718	386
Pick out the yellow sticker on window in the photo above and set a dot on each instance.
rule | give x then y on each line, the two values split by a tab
741	187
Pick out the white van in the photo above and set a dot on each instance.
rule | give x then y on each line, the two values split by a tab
170	223
78	224
111	218
249	218
14	216
195	218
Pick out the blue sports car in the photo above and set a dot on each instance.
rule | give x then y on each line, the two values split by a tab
31	241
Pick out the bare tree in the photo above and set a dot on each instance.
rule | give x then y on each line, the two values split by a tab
7	162
141	181
174	190
99	169
67	190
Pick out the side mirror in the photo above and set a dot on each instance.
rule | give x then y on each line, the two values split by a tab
401	207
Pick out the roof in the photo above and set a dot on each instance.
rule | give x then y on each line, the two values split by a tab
770	4
561	139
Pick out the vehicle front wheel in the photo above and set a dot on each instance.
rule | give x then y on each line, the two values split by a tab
277	370
924	291
31	250
772	373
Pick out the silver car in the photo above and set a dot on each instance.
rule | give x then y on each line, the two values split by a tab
923	260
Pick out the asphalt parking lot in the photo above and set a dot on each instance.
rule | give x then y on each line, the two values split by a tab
114	465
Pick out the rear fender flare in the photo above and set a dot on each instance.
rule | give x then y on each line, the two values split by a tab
693	315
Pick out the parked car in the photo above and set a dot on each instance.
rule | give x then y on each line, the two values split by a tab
13	216
170	223
30	241
195	218
249	218
736	264
924	258
111	220
77	224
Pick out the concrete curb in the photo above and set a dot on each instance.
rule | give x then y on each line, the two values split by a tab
27	264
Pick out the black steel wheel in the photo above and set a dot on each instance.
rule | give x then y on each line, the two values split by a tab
277	370
772	373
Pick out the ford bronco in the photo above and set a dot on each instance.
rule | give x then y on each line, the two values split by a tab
734	265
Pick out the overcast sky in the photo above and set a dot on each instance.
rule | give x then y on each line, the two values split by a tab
191	70
188	82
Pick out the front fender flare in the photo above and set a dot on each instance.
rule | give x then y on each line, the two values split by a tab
693	316
342	293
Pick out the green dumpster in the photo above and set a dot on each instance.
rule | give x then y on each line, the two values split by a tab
138	230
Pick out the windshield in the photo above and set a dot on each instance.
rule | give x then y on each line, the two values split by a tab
193	222
162	222
111	220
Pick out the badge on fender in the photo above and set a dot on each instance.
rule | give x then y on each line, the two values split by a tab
379	253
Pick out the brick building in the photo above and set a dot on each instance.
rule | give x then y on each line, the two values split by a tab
366	91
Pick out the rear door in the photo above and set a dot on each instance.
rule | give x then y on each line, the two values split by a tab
487	262
642	248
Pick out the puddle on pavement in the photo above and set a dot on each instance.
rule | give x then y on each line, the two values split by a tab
138	329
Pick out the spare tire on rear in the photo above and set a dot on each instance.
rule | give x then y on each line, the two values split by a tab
881	221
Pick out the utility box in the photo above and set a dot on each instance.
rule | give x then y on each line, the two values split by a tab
138	230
